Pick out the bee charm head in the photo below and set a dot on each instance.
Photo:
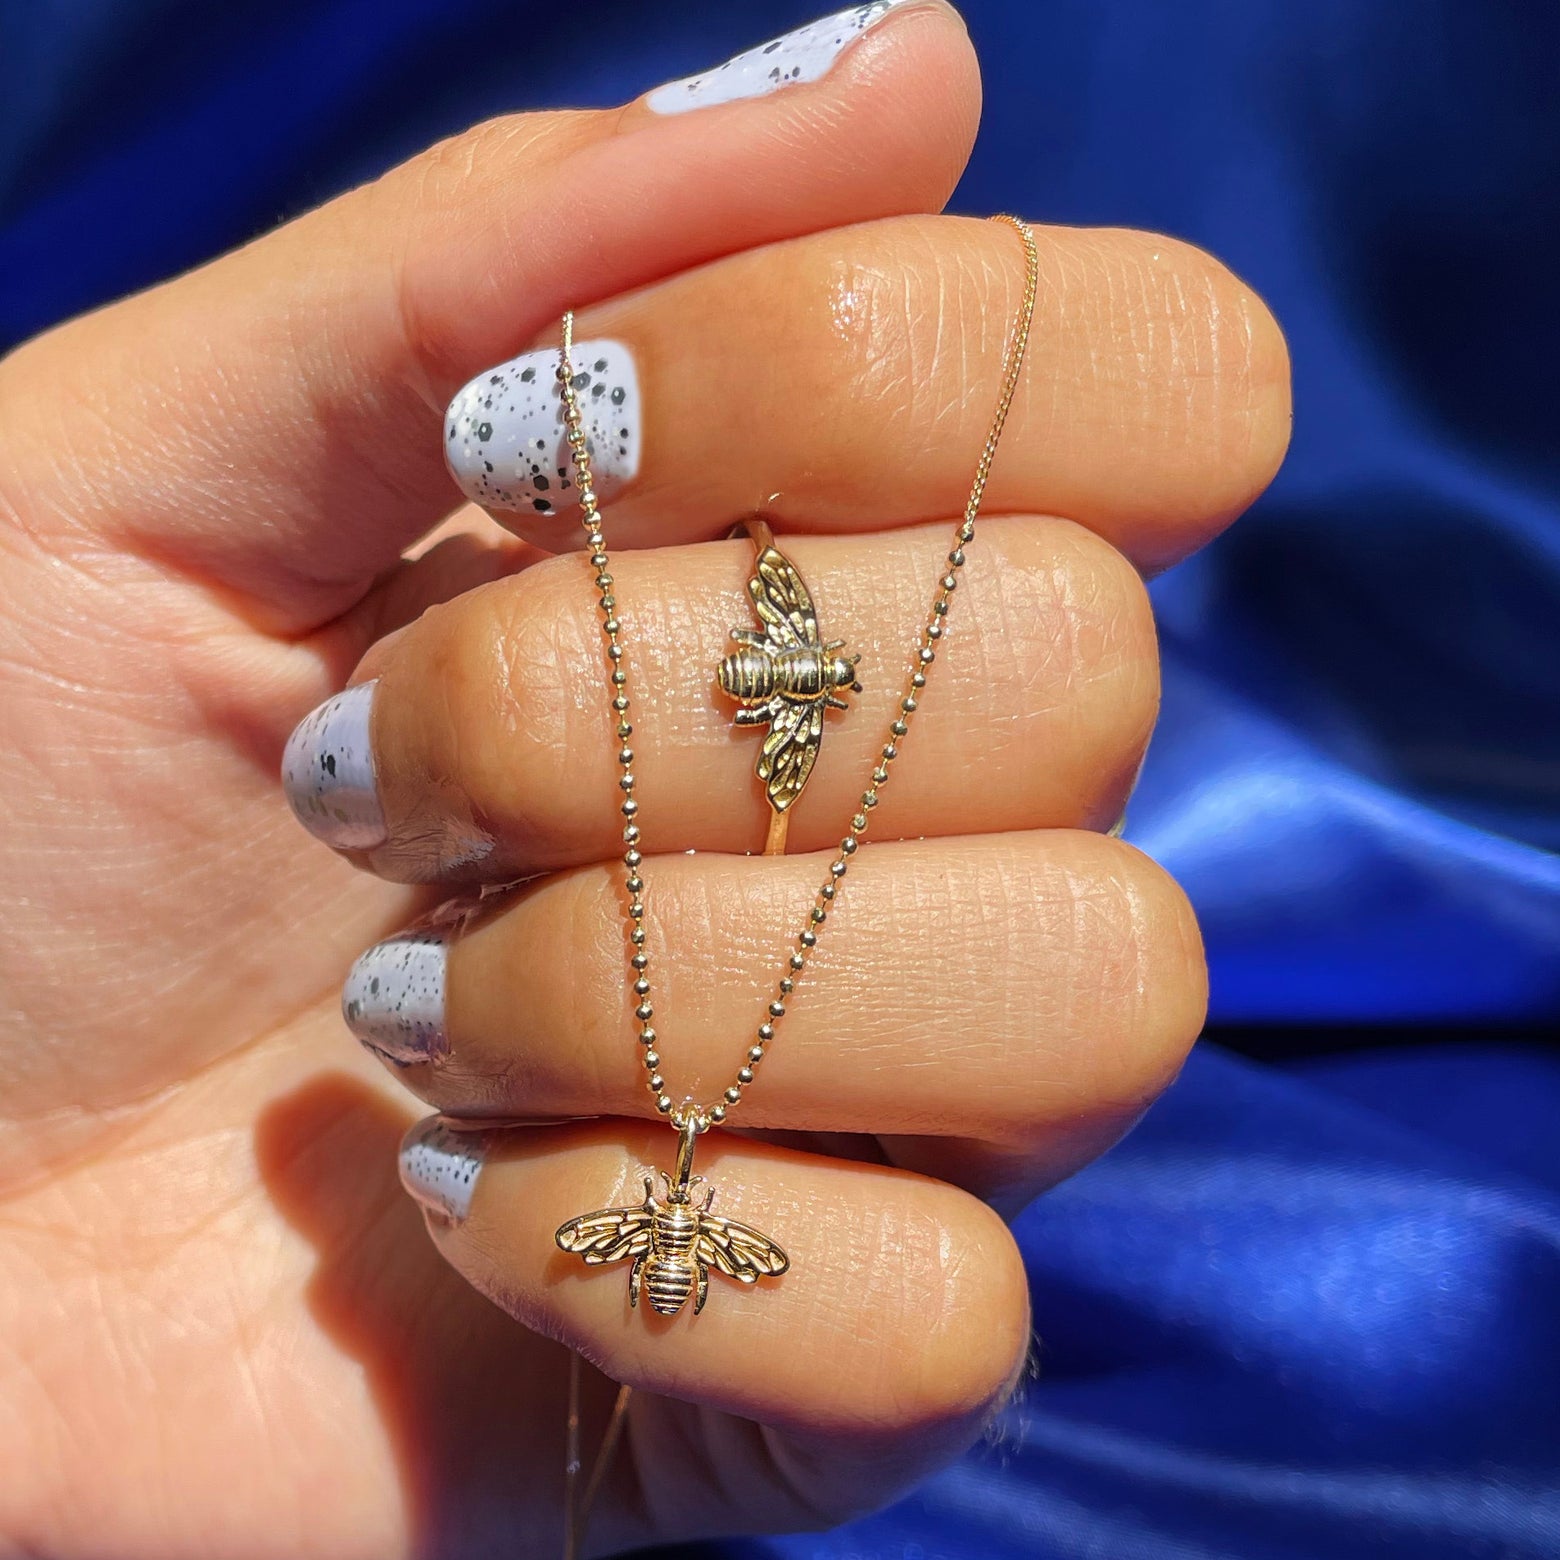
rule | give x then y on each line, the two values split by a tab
785	676
842	672
679	1195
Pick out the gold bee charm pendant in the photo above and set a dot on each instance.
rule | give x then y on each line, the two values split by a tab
674	1243
785	675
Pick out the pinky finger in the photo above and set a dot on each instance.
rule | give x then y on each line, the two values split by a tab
900	1327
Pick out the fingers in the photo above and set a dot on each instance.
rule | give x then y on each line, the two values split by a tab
482	746
903	1313
1154	405
1034	991
308	370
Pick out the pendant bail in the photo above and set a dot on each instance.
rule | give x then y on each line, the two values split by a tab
688	1130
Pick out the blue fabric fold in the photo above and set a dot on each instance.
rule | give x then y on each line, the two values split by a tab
1285	1318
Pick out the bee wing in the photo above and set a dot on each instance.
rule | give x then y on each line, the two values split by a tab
612	1235
789	750
782	602
738	1250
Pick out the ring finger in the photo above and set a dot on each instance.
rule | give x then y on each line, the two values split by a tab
1031	992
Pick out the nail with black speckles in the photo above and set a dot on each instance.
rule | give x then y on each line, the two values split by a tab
439	1166
505	439
807	54
328	772
393	999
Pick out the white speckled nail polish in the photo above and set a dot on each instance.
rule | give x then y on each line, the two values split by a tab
504	435
800	56
328	772
439	1166
393	998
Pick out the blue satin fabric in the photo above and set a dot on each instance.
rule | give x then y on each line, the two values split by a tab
1311	1308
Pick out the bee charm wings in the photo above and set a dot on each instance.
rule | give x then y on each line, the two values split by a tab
781	600
738	1250
612	1235
790	747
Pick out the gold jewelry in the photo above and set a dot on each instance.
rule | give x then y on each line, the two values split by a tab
672	1244
785	675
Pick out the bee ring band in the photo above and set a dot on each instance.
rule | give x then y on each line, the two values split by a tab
783	675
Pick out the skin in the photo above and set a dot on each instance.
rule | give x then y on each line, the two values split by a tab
222	1328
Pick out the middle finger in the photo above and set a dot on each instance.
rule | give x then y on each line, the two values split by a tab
481	745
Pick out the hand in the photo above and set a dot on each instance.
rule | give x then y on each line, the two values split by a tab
225	1329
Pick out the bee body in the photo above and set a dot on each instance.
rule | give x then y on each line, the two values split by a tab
755	674
670	1272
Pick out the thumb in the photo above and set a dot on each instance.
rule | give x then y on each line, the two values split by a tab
309	371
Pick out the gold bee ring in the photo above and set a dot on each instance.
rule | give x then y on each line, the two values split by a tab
784	675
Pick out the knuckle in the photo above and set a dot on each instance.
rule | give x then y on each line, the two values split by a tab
1071	618
461	184
1142	959
957	1270
1066	593
449	172
1223	381
503	660
851	310
977	1347
531	646
1106	989
903	307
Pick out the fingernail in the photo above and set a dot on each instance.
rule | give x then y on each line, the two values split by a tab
439	1166
800	56
393	998
504	435
328	772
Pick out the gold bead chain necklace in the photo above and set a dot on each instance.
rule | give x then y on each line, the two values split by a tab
788	680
